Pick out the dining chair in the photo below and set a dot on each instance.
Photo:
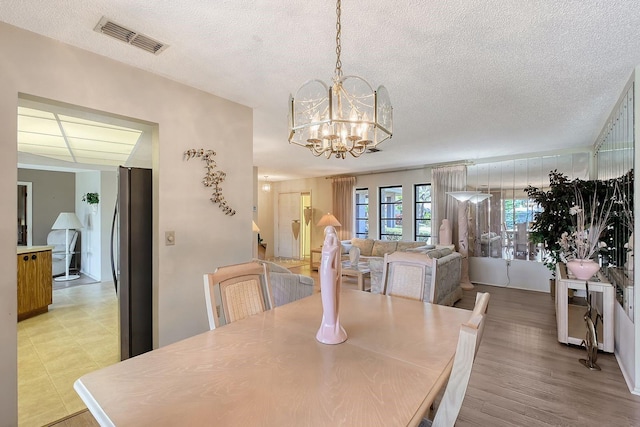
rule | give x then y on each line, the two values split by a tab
451	402
481	307
243	289
404	275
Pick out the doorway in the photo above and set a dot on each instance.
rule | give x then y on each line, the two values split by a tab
25	209
294	225
80	332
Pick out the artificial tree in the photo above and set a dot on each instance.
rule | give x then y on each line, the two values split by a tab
554	218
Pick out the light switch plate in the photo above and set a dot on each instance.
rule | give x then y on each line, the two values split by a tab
169	238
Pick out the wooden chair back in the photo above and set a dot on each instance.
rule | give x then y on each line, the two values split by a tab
243	289
482	304
403	275
451	402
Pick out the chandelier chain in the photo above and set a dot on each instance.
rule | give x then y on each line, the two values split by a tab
338	46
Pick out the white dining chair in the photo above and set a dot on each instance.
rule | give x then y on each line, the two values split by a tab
243	289
404	275
468	343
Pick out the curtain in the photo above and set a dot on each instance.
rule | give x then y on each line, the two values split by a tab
444	179
343	205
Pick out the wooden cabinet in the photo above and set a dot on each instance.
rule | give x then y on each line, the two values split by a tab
35	291
570	316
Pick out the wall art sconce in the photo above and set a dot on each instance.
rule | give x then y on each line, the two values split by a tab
308	213
212	178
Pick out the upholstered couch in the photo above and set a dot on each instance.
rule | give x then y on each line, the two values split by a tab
377	248
444	274
286	285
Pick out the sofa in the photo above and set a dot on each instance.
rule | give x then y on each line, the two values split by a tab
377	248
444	273
286	285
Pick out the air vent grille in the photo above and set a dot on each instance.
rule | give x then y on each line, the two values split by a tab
131	37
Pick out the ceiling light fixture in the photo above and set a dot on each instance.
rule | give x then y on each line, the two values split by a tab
348	117
267	185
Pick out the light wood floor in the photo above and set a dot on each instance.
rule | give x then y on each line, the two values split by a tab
522	376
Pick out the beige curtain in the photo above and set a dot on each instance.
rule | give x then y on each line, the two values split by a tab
343	205
444	179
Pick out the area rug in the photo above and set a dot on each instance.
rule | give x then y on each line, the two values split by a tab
83	280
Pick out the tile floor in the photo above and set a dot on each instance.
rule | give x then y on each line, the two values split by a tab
79	334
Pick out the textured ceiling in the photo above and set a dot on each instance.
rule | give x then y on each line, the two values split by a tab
467	79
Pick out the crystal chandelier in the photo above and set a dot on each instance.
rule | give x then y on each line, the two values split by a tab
348	117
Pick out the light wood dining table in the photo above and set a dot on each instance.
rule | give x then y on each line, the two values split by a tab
269	370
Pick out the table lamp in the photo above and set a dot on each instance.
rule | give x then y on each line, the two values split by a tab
329	219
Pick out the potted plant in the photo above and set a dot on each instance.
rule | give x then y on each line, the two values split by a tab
556	217
581	242
92	199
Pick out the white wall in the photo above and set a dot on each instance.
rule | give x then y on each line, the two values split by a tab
90	234
186	118
519	274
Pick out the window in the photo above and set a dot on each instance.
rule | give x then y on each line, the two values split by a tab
422	197
391	213
362	213
518	211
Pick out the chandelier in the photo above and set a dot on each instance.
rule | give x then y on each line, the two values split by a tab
348	117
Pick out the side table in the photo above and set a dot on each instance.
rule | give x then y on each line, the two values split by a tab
313	264
569	317
360	271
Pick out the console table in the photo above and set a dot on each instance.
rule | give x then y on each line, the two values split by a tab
569	317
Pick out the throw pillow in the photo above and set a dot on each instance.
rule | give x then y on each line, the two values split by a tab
365	245
383	247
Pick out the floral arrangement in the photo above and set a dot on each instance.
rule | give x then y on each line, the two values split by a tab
583	240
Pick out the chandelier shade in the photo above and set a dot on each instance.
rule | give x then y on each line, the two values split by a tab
347	117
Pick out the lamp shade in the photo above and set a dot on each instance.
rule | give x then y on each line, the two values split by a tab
329	219
463	196
255	227
480	197
67	221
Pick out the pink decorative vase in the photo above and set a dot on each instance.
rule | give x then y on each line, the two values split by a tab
583	269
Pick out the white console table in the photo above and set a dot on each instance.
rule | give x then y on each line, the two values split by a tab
570	317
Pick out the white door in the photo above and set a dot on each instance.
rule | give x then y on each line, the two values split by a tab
288	211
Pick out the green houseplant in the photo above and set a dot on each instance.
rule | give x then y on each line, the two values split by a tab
91	198
555	218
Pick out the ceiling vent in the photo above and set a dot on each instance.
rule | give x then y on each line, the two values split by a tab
131	37
373	150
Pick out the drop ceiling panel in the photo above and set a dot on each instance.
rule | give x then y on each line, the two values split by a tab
41	139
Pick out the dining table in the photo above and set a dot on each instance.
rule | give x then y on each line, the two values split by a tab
269	369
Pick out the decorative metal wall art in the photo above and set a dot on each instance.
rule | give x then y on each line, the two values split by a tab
212	178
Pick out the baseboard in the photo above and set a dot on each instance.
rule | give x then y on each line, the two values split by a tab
627	378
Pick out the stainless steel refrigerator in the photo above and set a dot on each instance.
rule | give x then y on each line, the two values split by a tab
131	259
